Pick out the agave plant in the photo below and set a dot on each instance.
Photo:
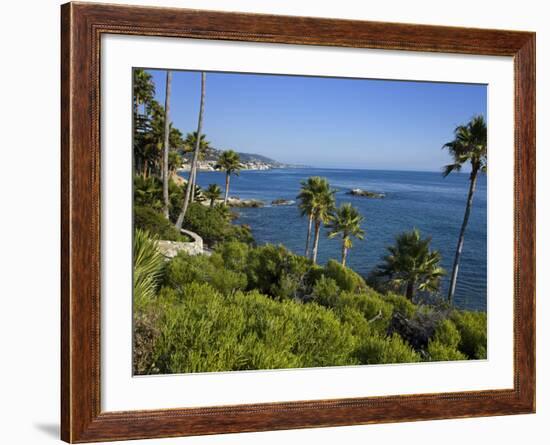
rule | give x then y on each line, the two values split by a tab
148	267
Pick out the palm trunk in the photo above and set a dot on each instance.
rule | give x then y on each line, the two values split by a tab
308	239
193	182
212	203
181	216
226	197
316	241
410	290
344	253
460	245
166	147
146	169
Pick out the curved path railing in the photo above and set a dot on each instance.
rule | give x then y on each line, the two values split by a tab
171	248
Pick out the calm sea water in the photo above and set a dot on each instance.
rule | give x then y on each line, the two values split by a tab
425	200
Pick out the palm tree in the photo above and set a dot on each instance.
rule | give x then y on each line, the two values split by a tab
149	141
174	162
306	195
189	146
230	162
179	221
144	89
166	146
411	265
191	141
322	206
468	146
346	222
213	192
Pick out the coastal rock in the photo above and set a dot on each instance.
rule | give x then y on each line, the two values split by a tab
283	202
365	193
178	179
237	202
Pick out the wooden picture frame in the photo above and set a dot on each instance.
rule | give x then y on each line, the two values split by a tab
82	26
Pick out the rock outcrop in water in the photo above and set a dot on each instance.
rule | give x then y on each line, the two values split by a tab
237	202
365	193
283	202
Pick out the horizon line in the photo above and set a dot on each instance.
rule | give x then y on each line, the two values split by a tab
297	166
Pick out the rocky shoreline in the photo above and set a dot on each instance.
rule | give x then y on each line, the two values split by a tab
210	166
365	193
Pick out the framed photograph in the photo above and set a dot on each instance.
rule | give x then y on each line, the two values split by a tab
274	222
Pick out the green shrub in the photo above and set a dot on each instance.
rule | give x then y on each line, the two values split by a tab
401	304
185	269
377	349
440	352
321	339
347	279
326	292
207	331
356	322
275	271
446	333
234	255
146	218
214	225
472	327
371	306
200	334
444	344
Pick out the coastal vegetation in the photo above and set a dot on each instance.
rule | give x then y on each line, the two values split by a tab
242	306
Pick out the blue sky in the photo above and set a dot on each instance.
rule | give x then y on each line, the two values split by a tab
326	122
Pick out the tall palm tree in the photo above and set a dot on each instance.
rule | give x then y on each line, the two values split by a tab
213	192
323	202
411	265
189	145
179	221
468	146
346	222
230	162
306	195
166	146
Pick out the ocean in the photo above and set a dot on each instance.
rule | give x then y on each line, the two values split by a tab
425	200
